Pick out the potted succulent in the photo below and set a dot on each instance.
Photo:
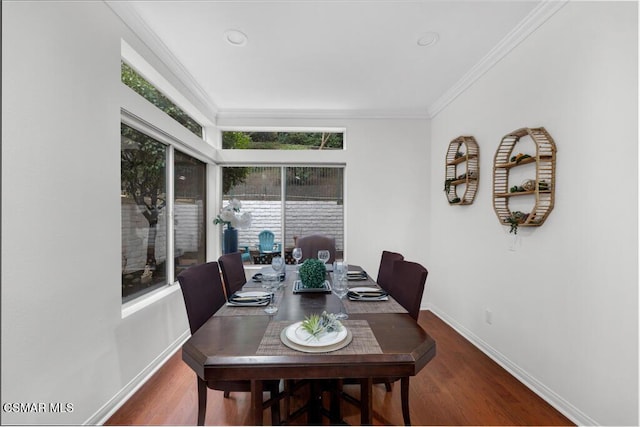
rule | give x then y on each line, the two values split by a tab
313	273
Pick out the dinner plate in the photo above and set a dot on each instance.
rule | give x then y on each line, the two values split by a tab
254	303
367	293
367	289
357	275
296	334
306	349
258	277
258	294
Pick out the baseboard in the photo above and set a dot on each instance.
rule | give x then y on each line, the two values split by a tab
552	398
108	409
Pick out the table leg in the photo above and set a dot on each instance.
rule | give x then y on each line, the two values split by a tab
366	408
256	401
315	402
202	400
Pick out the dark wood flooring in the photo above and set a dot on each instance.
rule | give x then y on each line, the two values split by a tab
460	386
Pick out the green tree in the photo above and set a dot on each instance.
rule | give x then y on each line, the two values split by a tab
143	178
138	83
236	175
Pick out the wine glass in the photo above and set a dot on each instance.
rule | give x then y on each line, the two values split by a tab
277	263
270	281
323	255
340	289
340	270
297	254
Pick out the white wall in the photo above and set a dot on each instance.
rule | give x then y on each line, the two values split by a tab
63	335
565	303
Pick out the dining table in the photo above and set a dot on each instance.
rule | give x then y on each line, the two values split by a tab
246	343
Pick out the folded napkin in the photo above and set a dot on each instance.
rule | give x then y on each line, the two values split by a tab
368	295
258	277
357	275
250	300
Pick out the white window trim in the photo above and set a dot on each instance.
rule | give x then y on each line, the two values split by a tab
144	301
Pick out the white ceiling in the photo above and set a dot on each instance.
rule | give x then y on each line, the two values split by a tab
340	55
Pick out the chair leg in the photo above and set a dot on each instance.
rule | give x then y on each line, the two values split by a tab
202	400
366	409
404	395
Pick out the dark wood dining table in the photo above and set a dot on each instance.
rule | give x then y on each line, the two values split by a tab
243	343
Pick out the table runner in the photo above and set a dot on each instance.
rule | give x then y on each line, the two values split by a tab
364	341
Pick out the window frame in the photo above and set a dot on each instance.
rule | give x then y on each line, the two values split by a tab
283	200
172	143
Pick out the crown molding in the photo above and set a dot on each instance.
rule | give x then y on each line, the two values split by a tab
538	16
126	12
321	114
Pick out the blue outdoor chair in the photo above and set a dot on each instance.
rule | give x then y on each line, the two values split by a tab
266	243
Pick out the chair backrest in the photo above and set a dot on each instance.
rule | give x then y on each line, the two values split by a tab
311	244
385	271
232	272
266	240
407	286
202	292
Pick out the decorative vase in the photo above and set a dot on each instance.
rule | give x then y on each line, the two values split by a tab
230	241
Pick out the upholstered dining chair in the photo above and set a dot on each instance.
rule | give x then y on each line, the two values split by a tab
407	283
385	271
313	243
232	272
203	295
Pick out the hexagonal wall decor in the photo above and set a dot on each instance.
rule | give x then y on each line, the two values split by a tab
462	170
539	186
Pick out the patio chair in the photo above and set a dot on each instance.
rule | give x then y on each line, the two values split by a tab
267	243
203	295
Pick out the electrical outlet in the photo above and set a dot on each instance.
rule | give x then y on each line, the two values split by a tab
488	316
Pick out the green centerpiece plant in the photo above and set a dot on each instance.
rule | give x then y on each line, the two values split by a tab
313	273
317	325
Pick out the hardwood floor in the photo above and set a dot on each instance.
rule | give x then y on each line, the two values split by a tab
460	386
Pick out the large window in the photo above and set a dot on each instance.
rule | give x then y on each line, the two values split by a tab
309	201
138	83
143	210
282	140
146	232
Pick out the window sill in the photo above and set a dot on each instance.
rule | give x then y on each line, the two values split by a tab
143	302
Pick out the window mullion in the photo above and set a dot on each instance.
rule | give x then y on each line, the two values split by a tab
170	186
283	203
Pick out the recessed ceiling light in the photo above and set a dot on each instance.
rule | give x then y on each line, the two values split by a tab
235	37
428	39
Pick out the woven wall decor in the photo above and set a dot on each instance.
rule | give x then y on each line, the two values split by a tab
541	187
462	170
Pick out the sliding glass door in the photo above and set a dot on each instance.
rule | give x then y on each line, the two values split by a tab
290	201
